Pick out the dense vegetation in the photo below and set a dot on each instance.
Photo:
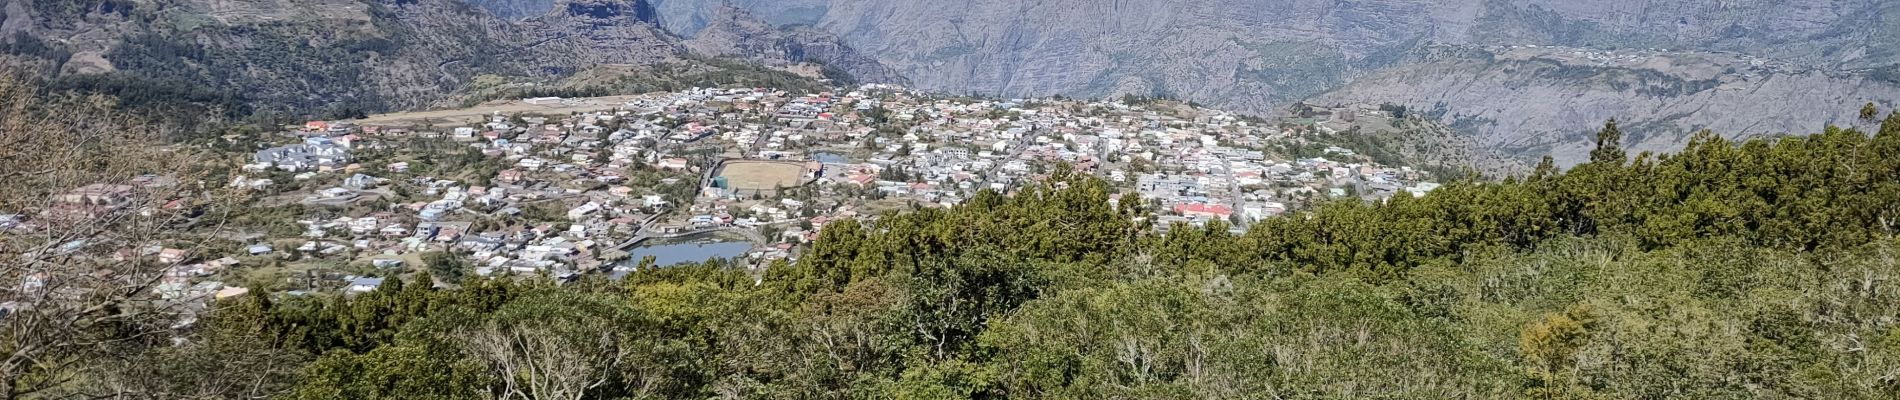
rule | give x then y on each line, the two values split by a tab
1729	270
284	69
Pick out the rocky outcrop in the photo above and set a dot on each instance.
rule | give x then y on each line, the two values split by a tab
688	17
734	32
1533	101
585	32
515	10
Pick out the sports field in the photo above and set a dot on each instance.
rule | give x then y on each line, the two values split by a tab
750	176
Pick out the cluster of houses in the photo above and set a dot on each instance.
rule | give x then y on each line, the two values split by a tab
1196	166
569	194
316	153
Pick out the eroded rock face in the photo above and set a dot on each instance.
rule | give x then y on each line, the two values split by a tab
734	32
515	10
585	32
688	17
1230	51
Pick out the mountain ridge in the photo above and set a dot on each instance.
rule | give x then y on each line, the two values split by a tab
735	32
1526	101
345	57
1258	56
340	56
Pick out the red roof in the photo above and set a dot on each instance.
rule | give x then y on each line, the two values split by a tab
1203	209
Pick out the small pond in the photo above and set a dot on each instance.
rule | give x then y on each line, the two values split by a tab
666	254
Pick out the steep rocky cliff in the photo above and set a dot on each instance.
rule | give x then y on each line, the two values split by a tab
688	17
1531	101
734	32
1255	54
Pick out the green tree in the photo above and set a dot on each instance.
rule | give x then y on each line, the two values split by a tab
1609	148
390	372
448	266
1549	346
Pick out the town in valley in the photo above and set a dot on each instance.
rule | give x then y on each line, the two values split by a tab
563	188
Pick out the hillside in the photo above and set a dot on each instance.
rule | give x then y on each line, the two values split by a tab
1393	134
1516	99
341	57
332	57
735	32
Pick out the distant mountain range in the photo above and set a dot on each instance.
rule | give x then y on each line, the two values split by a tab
1261	55
1532	101
336	57
1524	77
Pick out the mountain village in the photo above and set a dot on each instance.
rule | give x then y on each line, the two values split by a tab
583	187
